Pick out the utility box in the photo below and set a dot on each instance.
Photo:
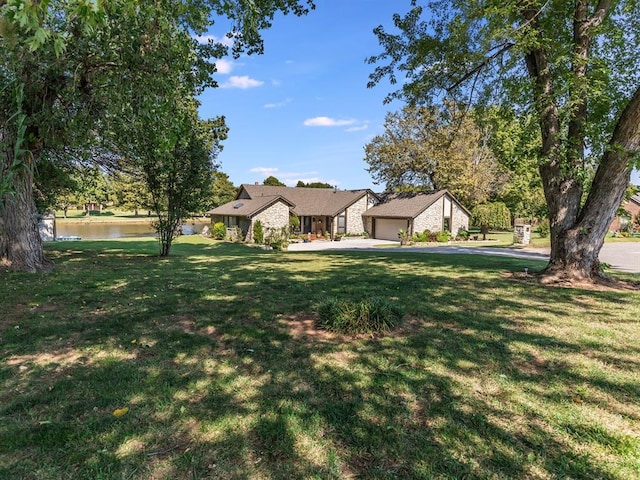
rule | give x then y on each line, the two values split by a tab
522	233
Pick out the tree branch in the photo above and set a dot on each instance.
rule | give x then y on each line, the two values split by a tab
478	68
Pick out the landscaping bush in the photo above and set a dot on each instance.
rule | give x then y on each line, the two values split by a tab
463	235
219	231
294	223
443	237
369	315
278	239
258	233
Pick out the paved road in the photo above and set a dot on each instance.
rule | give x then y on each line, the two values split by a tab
623	256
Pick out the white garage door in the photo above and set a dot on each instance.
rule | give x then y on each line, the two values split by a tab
387	228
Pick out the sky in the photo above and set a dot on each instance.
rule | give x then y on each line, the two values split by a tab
302	110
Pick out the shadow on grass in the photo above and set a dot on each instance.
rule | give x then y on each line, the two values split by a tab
486	380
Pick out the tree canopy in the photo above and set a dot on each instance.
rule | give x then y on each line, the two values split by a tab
302	184
571	65
273	181
222	189
99	67
434	148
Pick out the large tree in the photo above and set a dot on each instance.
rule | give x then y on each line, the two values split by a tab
69	75
434	148
573	65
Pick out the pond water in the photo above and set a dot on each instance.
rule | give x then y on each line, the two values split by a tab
100	231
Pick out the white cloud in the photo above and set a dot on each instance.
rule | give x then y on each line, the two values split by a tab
265	171
223	66
285	102
357	128
326	122
243	82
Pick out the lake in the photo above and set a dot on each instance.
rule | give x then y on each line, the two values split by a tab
101	231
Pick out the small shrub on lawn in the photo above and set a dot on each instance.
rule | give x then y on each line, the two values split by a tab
369	315
219	231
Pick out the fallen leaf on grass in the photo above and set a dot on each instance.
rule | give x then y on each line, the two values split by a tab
119	412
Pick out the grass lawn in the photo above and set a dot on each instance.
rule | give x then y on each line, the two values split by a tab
215	354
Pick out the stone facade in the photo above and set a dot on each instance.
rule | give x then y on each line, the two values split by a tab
430	219
355	223
274	217
459	219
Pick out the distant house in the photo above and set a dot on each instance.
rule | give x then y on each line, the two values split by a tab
621	222
436	211
340	212
320	210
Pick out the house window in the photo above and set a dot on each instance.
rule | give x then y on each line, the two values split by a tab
342	223
447	224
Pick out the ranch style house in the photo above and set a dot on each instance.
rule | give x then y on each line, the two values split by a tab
342	212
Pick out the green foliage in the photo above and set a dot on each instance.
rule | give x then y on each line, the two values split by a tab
93	72
278	239
222	190
273	181
219	231
491	215
568	68
258	232
443	237
426	236
369	315
463	235
294	223
434	148
313	185
543	228
403	236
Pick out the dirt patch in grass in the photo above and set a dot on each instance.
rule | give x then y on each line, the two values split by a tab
304	326
602	284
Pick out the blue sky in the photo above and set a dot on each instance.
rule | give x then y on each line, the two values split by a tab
302	110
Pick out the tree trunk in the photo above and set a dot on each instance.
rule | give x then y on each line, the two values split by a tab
22	244
575	248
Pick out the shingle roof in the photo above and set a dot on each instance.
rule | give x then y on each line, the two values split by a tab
636	198
404	205
308	201
246	207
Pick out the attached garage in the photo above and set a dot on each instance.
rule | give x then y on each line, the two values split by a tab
416	212
388	228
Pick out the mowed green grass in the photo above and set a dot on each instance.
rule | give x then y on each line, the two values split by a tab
214	352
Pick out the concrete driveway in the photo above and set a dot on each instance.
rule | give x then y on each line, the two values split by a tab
622	256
